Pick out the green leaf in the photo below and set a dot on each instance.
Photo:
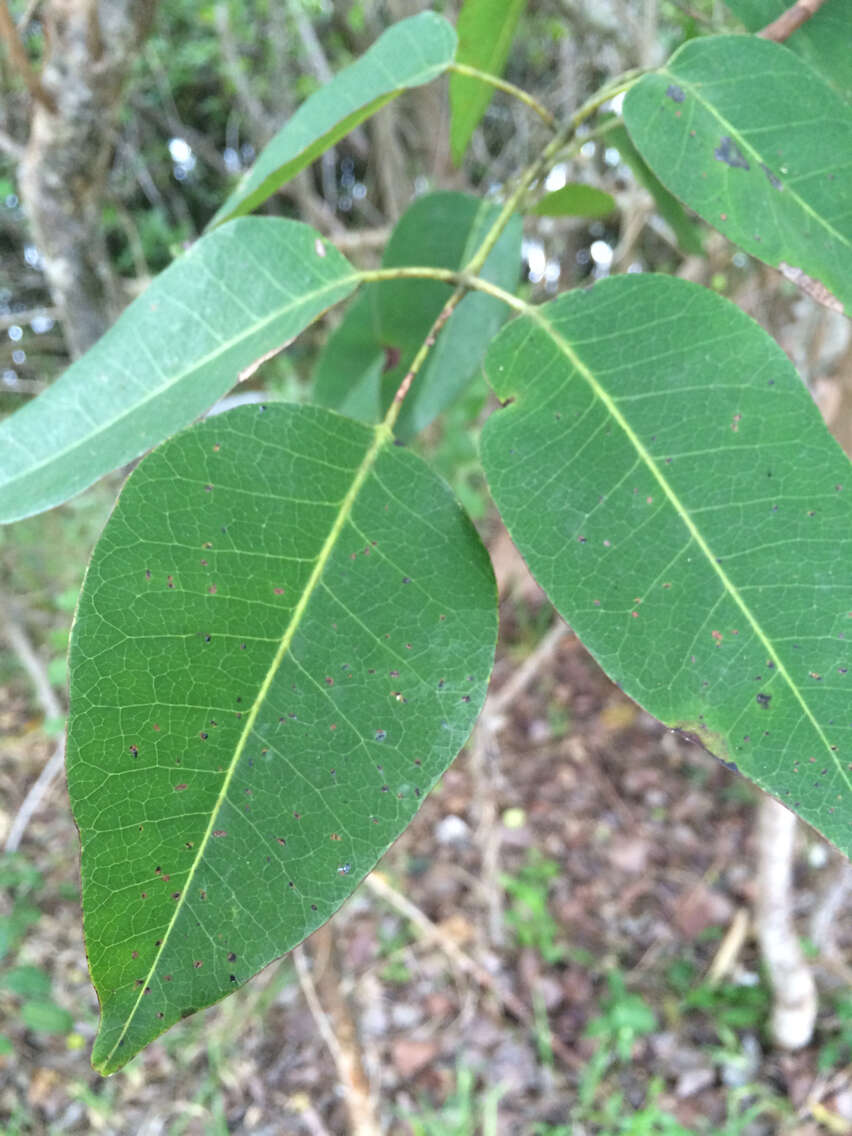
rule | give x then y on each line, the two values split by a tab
761	147
235	296
687	233
28	981
382	331
348	373
575	200
46	1017
413	52
486	29
822	41
284	637
671	485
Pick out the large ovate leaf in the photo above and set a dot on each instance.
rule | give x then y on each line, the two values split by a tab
284	637
823	41
486	29
671	485
410	53
760	146
367	356
238	294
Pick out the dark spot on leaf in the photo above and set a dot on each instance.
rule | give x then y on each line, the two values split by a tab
773	180
220	832
178	789
381	735
729	152
231	956
134	750
764	700
675	93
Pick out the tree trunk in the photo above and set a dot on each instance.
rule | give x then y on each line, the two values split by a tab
89	45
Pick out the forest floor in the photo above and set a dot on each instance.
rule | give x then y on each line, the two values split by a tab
583	866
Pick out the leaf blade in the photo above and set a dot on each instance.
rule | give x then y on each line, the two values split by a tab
353	697
486	29
708	578
245	290
822	41
408	54
727	148
575	200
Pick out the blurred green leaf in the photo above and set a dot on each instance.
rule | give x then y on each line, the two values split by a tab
486	29
46	1017
575	200
28	981
410	53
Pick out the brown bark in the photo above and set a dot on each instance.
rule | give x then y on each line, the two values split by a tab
89	45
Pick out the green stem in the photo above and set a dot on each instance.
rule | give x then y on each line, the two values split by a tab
470	271
510	89
446	276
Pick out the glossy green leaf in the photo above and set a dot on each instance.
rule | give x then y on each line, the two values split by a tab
760	146
575	200
687	233
486	29
823	41
284	637
238	294
672	487
413	52
367	357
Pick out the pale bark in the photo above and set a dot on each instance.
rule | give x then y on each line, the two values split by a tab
795	999
89	46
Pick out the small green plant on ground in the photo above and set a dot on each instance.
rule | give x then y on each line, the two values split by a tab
528	913
287	628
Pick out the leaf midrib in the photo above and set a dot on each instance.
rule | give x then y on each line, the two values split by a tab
382	436
205	360
755	154
612	408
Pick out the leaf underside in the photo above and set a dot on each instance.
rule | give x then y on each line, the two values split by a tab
284	637
753	140
410	53
672	487
238	294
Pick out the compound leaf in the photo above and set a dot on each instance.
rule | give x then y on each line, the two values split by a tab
672	486
238	294
759	145
284	637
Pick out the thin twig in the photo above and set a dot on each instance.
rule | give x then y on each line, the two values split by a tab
20	60
431	933
789	21
18	640
337	1030
508	88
